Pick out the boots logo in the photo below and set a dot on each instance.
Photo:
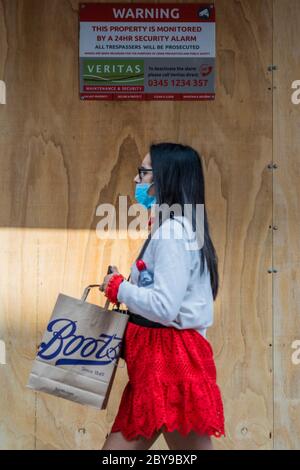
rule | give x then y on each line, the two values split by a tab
65	342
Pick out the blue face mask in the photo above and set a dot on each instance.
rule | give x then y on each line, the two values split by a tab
142	196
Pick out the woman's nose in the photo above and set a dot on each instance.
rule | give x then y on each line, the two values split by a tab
136	179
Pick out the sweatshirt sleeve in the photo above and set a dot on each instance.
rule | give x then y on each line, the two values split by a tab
161	302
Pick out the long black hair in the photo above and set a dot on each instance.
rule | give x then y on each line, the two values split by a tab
178	179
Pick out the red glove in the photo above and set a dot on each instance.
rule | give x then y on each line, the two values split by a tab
111	291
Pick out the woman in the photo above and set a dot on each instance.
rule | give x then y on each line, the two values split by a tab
172	385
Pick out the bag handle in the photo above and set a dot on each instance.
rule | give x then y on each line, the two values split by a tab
90	286
86	293
87	290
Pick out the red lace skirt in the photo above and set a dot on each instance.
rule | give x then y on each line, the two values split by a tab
172	383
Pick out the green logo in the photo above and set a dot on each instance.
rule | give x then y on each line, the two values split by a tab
113	72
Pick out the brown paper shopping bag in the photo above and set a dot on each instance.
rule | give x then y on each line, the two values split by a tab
80	350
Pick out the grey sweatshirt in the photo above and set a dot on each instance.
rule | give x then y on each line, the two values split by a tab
178	296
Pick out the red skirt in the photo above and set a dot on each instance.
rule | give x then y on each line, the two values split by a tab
172	383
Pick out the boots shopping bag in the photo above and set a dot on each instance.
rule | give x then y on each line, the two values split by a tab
80	350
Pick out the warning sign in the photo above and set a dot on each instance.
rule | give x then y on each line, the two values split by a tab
147	51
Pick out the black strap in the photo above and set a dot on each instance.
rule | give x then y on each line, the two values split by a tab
146	243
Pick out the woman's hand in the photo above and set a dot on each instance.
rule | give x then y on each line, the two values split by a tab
107	278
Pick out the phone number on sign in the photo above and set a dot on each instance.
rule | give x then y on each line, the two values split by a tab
177	82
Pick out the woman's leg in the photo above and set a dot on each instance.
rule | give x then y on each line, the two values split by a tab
192	441
116	441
